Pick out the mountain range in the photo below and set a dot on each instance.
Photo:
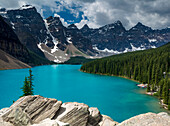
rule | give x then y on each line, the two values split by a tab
50	39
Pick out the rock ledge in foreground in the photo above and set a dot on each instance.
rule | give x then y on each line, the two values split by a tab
39	111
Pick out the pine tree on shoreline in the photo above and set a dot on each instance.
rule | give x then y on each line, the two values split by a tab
30	80
28	85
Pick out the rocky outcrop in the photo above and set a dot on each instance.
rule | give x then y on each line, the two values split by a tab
49	122
95	116
36	107
74	114
107	121
17	117
148	119
4	123
40	111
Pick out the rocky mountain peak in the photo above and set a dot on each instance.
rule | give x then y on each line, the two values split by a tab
54	20
140	26
2	9
85	27
115	27
118	23
28	25
31	30
72	26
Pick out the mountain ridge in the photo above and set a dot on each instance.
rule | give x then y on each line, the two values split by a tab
99	42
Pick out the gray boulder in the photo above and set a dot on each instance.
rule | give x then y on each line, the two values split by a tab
3	123
94	117
49	122
164	115
3	111
107	121
76	114
37	108
148	119
17	117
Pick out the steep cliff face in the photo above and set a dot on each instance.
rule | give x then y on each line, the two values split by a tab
10	44
28	25
40	111
68	35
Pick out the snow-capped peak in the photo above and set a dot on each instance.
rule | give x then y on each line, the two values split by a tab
26	7
72	26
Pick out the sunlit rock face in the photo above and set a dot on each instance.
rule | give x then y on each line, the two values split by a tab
40	111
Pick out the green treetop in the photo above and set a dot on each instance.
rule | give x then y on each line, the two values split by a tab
28	85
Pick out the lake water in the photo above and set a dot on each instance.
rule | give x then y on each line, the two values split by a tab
116	97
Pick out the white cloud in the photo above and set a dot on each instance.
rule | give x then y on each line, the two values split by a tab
154	13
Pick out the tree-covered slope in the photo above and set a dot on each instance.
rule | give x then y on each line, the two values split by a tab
148	66
77	60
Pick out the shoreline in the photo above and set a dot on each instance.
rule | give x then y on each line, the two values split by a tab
112	76
164	106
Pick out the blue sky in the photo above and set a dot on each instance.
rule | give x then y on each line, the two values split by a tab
96	13
66	13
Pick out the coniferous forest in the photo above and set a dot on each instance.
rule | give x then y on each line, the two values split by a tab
148	66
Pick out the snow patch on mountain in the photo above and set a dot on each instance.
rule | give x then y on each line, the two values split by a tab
43	50
12	25
69	40
137	48
48	32
18	16
106	50
55	48
3	12
111	51
152	40
153	46
55	54
26	7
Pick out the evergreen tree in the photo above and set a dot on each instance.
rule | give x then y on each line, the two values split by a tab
161	83
30	80
165	91
149	73
153	74
135	73
26	87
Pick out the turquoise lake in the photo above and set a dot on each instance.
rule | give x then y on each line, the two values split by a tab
116	97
